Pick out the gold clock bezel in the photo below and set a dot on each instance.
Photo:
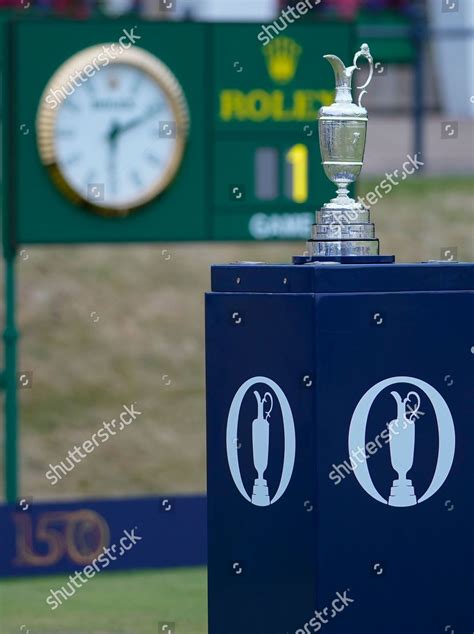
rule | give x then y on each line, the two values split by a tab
46	120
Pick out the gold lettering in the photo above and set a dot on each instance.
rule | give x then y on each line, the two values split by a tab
299	105
278	110
260	105
232	105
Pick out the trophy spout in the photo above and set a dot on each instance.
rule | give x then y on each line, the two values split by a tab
343	79
400	405
339	69
260	402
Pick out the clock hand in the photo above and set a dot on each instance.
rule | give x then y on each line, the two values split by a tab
139	120
113	133
113	142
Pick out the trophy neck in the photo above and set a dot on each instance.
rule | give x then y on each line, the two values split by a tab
342	199
344	94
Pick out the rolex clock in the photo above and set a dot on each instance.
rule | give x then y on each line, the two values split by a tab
111	128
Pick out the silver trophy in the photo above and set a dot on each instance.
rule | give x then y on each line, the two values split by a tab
343	226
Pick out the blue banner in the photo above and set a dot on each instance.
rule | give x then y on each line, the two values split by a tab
53	537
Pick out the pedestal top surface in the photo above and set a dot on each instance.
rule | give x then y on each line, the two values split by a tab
243	277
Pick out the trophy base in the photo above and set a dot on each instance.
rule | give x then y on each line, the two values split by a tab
402	494
343	228
343	259
355	232
260	495
341	248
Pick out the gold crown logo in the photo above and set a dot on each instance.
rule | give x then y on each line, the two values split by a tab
282	56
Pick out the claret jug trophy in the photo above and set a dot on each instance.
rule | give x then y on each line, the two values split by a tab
343	226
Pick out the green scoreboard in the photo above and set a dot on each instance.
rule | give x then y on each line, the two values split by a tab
136	131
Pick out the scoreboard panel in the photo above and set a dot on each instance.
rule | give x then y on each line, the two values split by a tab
251	168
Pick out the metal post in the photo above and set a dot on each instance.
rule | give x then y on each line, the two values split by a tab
10	337
418	87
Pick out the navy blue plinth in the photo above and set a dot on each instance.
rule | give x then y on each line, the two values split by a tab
318	338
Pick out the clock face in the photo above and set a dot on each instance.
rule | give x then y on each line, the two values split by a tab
116	140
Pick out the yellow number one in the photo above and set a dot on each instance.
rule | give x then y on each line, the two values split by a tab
297	157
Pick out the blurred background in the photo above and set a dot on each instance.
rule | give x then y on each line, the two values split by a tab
148	343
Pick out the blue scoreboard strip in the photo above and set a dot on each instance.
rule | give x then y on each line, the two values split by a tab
152	532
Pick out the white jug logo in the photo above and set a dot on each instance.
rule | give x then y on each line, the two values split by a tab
261	430
402	440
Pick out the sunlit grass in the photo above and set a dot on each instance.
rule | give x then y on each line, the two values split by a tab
110	603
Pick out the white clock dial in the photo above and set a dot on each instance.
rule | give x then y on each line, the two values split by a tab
117	140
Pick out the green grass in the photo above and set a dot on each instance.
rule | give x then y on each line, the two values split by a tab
125	603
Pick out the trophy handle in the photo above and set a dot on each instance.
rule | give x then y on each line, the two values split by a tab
412	411
364	52
268	412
